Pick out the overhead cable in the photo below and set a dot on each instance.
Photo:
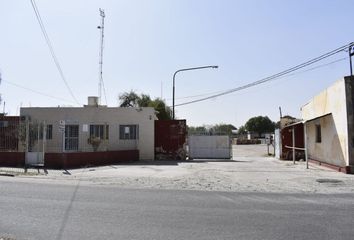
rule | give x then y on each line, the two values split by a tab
272	77
37	92
51	49
292	74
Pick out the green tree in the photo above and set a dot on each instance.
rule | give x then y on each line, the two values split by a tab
223	128
242	130
129	99
197	130
144	100
201	129
163	112
132	99
260	125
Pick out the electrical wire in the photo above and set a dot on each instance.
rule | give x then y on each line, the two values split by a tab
296	73
272	77
314	68
37	92
51	49
197	95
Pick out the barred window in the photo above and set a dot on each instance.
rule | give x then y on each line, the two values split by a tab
127	132
71	137
49	132
99	131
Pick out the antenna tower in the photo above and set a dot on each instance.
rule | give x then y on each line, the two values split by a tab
100	79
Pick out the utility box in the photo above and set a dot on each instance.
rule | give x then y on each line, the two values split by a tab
209	147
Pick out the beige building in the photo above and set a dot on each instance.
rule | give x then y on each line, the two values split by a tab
95	128
330	127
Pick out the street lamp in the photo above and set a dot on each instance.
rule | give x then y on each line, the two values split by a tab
174	76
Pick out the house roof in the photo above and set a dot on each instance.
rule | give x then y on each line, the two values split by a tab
308	120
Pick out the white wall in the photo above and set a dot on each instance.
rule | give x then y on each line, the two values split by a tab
334	127
143	117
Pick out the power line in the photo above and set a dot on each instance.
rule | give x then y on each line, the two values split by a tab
37	92
272	77
319	66
51	49
292	74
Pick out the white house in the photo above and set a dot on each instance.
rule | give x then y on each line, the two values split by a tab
329	123
94	128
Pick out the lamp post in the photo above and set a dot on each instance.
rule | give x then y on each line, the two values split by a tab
351	53
174	76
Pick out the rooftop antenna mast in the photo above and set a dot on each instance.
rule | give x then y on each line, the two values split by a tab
100	80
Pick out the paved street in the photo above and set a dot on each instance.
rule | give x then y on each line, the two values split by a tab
48	211
249	197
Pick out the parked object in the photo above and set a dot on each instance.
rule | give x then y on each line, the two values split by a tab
209	146
170	139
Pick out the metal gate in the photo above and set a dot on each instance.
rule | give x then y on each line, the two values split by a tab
209	146
35	143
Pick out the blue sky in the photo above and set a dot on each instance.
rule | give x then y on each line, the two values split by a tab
146	41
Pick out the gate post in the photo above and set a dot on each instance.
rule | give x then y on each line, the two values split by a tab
44	140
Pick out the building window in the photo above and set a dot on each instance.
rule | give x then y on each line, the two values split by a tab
71	137
99	131
318	133
128	132
49	132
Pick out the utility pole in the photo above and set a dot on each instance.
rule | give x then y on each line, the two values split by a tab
100	79
351	53
0	93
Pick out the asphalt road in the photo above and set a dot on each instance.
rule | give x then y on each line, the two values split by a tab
51	211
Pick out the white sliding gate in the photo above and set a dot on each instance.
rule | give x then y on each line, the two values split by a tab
209	146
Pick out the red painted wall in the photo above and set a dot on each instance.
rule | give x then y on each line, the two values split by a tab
286	135
12	159
82	159
170	136
72	160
